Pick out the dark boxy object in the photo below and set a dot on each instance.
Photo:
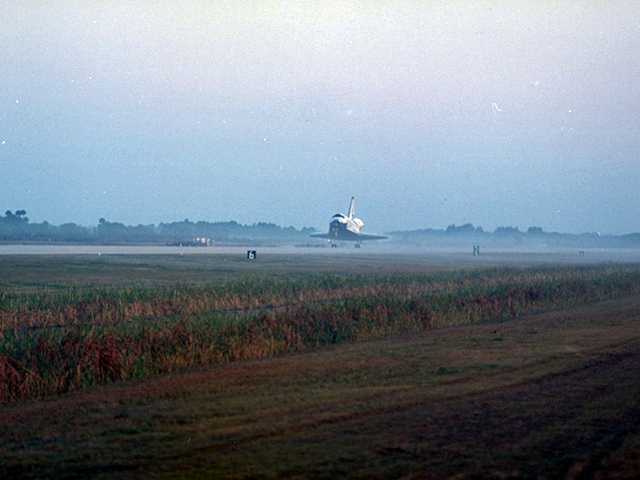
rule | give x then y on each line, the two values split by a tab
252	254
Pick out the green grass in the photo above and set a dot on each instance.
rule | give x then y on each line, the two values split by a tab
379	409
67	338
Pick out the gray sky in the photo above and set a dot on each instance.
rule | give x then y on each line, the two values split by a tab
498	113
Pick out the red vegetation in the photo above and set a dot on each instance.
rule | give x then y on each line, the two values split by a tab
64	347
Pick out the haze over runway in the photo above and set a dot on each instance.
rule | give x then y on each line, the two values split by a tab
498	113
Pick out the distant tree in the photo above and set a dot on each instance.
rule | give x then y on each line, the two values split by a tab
16	226
112	231
535	231
71	232
462	229
21	216
506	231
18	217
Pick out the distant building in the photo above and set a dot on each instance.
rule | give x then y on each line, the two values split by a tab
202	241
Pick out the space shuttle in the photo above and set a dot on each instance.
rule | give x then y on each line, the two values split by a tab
347	228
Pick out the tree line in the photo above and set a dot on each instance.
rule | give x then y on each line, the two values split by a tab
512	236
16	226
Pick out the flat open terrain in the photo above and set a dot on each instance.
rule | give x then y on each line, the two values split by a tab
540	395
51	266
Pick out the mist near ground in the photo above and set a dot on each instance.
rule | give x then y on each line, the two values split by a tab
432	113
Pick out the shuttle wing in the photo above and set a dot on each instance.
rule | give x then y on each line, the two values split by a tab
323	235
364	236
351	237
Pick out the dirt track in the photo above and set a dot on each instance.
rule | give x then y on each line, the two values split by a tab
550	396
567	423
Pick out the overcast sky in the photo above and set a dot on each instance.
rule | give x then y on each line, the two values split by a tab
497	113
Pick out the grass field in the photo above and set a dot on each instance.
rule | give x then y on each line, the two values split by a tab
369	367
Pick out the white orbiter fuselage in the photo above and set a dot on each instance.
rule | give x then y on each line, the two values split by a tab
347	227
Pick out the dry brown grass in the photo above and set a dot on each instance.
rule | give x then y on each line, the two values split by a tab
544	396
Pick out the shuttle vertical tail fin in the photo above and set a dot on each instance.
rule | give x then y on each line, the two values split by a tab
352	207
